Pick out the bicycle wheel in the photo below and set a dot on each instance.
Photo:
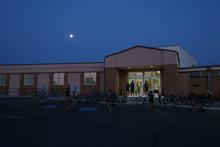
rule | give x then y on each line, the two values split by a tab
140	101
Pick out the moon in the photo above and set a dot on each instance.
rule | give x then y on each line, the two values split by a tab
71	35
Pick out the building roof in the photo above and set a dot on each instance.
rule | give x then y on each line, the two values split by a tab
200	68
146	47
51	63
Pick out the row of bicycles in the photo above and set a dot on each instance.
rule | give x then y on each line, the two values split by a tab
197	102
95	97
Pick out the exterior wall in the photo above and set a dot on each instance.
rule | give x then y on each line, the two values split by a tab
169	80
73	79
123	78
43	80
102	82
14	84
4	89
215	87
184	82
186	59
112	79
142	56
198	85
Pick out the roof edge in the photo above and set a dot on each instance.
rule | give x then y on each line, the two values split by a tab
202	66
51	63
139	46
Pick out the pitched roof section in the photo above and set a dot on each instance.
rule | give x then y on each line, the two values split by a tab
143	56
147	47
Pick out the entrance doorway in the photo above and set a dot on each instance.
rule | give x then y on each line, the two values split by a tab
153	79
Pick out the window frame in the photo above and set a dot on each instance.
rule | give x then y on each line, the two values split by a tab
4	79
90	76
25	79
58	78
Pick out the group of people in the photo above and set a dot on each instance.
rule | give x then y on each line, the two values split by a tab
133	90
130	90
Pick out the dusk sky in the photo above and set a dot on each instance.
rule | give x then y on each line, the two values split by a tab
37	31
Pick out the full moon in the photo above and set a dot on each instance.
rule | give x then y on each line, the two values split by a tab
71	35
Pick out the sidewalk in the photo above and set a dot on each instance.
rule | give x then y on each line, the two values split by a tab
215	107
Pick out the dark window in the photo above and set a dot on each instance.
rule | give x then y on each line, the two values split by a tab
215	73
90	78
58	79
2	79
28	79
198	74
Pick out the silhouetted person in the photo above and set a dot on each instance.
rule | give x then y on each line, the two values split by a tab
132	88
127	88
145	88
67	92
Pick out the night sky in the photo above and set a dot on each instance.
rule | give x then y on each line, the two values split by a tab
37	31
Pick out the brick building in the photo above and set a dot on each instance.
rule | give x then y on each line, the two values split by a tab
168	70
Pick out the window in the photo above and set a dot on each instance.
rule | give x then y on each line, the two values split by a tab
195	74
90	78
2	79
215	73
199	74
205	74
58	79
28	79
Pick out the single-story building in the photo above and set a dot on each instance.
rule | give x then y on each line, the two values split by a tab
167	70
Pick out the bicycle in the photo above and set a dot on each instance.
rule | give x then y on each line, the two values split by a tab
169	103
134	100
42	93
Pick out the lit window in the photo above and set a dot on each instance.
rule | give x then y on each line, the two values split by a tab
2	79
58	79
28	79
90	78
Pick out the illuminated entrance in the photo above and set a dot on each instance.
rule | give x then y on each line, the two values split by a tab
153	79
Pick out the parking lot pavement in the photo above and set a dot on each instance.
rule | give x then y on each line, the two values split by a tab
56	123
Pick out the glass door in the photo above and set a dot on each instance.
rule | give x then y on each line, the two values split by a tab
153	79
137	77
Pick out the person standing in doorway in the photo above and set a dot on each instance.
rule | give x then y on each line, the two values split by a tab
145	88
132	88
138	89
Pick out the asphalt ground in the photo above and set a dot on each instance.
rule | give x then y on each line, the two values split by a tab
29	122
